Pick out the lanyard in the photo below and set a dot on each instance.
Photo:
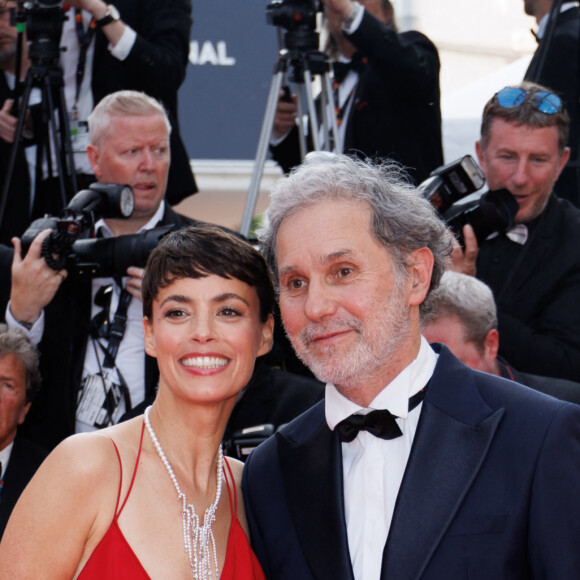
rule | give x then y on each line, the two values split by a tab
85	38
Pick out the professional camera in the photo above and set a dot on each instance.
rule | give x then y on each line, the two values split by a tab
44	20
452	182
298	19
493	212
77	220
70	244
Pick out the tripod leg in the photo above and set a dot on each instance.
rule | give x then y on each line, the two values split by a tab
14	149
329	98
301	127
261	152
66	145
311	109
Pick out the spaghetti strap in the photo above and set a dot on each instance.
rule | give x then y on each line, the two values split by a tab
234	505
121	480
117	514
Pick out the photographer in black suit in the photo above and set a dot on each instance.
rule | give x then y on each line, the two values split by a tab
389	101
67	313
534	268
141	46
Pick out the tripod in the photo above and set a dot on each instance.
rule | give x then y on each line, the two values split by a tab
305	64
46	74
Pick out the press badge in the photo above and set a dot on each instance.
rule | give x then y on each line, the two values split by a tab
100	398
79	135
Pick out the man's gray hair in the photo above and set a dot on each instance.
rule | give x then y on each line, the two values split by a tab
122	104
14	341
468	298
402	220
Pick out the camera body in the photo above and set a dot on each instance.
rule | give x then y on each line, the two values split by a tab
493	212
70	244
298	19
293	14
44	20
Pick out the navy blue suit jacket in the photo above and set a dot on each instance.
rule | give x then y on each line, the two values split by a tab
490	489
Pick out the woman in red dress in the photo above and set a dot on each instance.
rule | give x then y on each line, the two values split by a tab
154	497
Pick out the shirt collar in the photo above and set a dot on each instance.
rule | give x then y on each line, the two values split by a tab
5	457
394	397
106	232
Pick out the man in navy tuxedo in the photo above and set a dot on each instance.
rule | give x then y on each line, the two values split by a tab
414	466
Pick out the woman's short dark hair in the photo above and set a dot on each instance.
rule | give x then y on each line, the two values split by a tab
201	250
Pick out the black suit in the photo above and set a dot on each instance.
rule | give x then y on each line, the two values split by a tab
561	73
25	459
537	291
66	332
156	65
559	388
396	110
275	397
490	490
16	216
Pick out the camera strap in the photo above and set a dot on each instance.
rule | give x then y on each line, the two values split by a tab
117	329
85	38
100	396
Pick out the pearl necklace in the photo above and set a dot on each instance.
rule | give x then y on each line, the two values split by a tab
197	538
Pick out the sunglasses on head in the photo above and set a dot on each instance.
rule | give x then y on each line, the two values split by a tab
545	102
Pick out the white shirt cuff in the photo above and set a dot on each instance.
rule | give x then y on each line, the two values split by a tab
122	49
354	19
34	334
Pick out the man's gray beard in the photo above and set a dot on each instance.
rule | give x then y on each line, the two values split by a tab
368	356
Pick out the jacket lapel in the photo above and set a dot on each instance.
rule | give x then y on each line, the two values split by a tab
312	471
454	434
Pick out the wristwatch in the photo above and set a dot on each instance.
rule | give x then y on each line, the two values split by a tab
111	15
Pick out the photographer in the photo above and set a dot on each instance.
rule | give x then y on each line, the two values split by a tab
387	97
142	46
69	314
534	268
18	202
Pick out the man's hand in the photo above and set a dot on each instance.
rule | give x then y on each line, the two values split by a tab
464	261
96	7
8	122
285	118
133	284
34	283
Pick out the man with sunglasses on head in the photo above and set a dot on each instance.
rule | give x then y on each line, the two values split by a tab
533	268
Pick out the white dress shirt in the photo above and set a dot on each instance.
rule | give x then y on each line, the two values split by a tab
130	358
373	468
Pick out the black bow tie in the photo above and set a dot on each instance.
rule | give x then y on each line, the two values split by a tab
341	69
379	423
